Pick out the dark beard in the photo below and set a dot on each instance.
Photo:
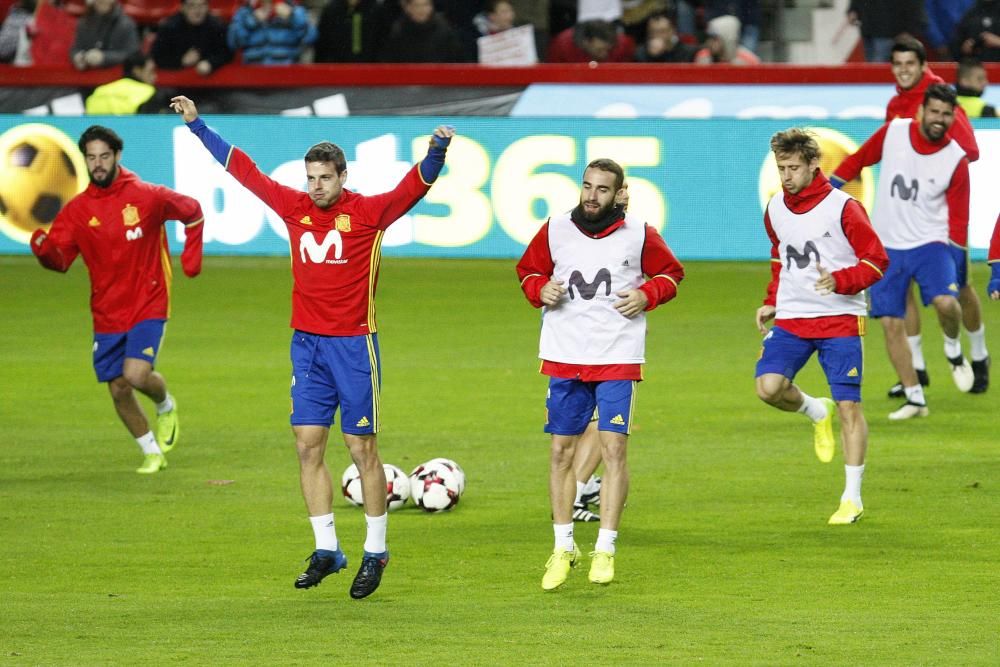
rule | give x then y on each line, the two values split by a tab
595	226
107	180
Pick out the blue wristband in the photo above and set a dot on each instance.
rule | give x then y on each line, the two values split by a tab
431	166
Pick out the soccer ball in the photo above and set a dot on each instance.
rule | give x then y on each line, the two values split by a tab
434	486
397	486
457	469
40	170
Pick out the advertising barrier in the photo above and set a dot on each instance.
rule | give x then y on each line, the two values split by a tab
703	183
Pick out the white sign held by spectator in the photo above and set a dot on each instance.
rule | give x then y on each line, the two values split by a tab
510	47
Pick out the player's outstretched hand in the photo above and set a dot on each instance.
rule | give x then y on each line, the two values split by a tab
184	106
826	284
764	315
633	302
442	136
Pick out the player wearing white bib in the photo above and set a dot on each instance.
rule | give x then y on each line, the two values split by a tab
588	269
824	253
923	194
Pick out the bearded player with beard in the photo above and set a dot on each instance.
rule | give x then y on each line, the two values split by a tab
588	269
118	225
923	193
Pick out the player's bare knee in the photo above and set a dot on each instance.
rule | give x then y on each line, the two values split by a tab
769	390
136	377
120	389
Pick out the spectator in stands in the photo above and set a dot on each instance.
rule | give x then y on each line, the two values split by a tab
663	45
882	21
970	84
271	32
978	33
942	18
747	11
134	93
192	38
591	41
349	31
421	35
636	14
497	16
13	32
722	44
105	36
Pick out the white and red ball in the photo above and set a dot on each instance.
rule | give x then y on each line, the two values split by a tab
397	486
434	486
457	469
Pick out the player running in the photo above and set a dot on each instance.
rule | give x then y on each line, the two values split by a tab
824	253
118	225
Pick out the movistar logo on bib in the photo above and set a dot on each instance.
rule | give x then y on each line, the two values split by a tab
318	251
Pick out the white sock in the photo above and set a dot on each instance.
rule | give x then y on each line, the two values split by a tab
580	486
147	443
325	532
606	540
977	341
915	394
593	485
375	539
952	347
917	352
812	407
166	406
852	485
564	535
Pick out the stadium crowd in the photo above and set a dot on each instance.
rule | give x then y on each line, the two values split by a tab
207	34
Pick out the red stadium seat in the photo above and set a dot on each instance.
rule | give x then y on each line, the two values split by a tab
150	12
75	7
224	9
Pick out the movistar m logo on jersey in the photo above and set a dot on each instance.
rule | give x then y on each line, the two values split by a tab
899	189
318	252
588	291
801	259
133	234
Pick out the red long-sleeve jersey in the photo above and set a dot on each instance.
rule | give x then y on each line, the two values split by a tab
993	254
665	272
120	231
957	195
335	251
872	262
906	103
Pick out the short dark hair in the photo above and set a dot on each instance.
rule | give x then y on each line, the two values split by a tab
133	60
491	5
100	133
604	164
905	44
942	92
326	151
966	67
796	140
594	29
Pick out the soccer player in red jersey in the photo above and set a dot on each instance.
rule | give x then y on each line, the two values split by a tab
824	254
913	77
118	225
993	258
596	270
335	237
923	195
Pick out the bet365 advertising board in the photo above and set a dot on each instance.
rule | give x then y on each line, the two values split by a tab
703	183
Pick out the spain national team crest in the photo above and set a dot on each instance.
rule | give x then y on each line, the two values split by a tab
306	221
342	223
130	216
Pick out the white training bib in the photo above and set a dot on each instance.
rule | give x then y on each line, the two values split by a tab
584	327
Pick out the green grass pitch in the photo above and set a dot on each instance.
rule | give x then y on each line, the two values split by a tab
724	555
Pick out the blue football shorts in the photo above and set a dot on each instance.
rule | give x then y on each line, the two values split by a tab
961	257
570	406
931	266
142	341
842	359
330	372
